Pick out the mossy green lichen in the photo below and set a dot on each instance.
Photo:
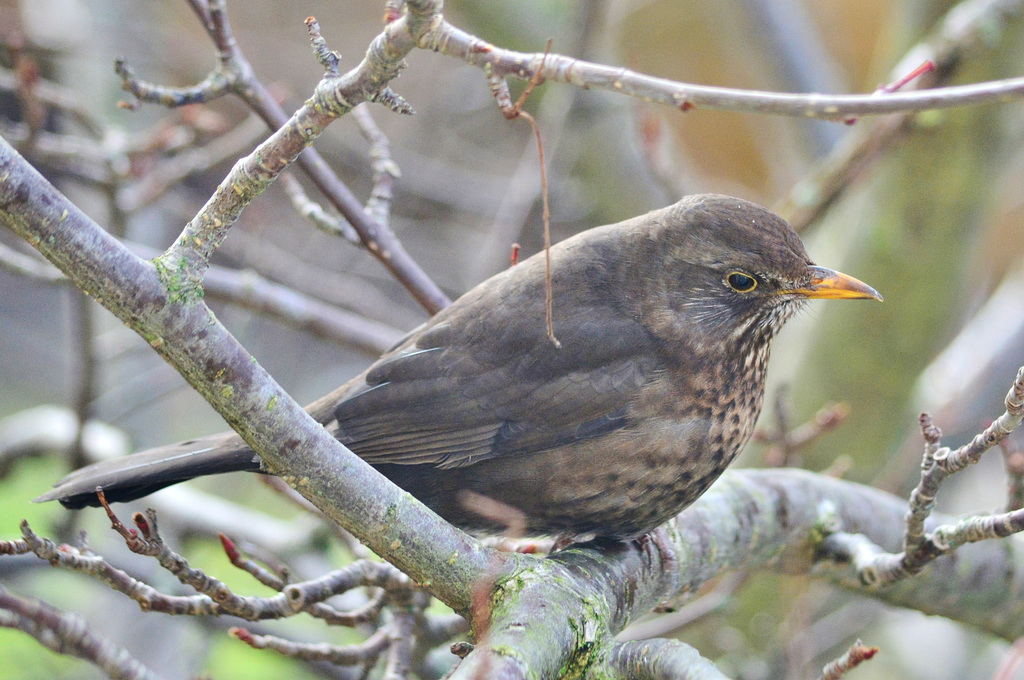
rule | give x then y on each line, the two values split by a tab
505	650
826	524
181	288
155	341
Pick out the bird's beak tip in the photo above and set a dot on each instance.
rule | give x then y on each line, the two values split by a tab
828	284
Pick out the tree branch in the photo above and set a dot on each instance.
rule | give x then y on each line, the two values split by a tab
186	334
67	633
452	41
563	611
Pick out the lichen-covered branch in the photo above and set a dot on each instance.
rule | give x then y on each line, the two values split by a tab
184	331
367	82
660	659
562	612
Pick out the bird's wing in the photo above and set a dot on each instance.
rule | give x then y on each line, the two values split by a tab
498	386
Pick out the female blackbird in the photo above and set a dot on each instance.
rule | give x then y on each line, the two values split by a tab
664	323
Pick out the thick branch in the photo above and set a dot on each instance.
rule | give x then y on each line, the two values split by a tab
661	660
562	612
189	337
769	518
375	235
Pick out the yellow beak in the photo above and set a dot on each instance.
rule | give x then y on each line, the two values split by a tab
832	285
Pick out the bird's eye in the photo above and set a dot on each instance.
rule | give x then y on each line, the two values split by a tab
740	282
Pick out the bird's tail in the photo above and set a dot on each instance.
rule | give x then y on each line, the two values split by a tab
130	477
140	474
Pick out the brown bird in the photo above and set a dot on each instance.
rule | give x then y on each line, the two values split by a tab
664	323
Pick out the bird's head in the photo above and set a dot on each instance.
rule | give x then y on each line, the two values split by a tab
727	268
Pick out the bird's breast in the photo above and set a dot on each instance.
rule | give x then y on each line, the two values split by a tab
702	414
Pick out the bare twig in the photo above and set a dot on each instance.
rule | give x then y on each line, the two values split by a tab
364	654
276	579
926	67
67	633
84	561
968	26
331	225
1013	460
660	658
327	57
402	641
579	33
857	654
499	89
214	598
367	613
557	68
785	441
920	547
385	170
216	83
234	74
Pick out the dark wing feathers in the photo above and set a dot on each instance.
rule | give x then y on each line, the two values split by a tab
451	399
422	446
596	427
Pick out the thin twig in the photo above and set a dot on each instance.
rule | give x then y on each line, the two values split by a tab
1013	461
385	170
857	654
876	567
558	68
499	89
67	633
235	74
364	654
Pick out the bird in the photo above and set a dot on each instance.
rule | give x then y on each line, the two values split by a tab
663	325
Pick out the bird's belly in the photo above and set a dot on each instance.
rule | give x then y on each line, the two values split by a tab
619	486
632	482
